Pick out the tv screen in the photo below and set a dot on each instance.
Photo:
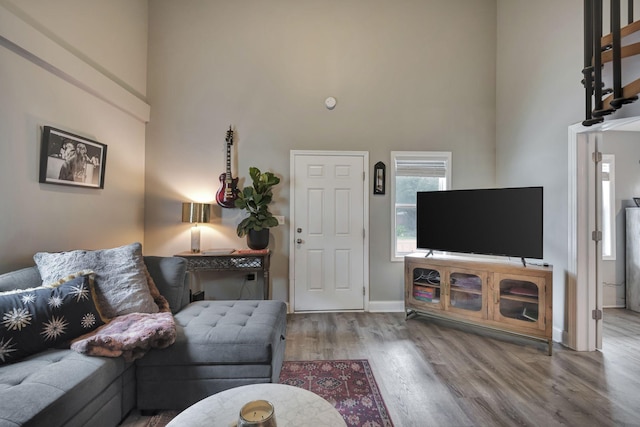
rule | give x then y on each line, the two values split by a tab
496	221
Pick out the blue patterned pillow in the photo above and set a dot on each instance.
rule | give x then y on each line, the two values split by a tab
32	320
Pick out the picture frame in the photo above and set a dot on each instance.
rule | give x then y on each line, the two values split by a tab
379	172
68	159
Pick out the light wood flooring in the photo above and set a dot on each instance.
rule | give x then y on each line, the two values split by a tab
437	373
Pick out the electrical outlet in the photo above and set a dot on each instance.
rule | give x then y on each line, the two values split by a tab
280	219
251	276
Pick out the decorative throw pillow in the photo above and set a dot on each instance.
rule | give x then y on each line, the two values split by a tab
121	283
39	318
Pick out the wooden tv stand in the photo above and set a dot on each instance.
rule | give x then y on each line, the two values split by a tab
504	296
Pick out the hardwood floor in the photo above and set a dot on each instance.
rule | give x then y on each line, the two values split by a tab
437	373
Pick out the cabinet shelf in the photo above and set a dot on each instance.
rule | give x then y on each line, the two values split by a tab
503	296
466	290
521	298
426	284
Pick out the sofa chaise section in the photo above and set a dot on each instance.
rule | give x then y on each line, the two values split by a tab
220	345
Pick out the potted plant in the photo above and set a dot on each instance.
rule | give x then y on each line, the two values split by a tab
255	200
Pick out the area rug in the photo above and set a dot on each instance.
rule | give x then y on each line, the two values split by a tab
162	419
349	385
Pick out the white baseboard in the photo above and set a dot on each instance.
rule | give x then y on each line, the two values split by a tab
386	306
374	307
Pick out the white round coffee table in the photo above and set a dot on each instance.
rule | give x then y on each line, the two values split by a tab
293	407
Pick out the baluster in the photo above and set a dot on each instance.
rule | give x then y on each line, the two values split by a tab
587	71
599	109
618	97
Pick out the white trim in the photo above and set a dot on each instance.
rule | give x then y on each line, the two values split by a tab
386	306
579	305
436	155
365	189
27	41
582	285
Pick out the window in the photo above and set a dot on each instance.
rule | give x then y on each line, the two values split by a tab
608	208
412	172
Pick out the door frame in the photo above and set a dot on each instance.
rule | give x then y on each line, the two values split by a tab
292	220
584	289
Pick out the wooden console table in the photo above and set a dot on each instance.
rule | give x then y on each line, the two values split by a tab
240	260
503	296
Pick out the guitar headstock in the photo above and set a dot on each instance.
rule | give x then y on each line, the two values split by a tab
229	137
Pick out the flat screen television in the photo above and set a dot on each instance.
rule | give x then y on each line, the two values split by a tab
494	221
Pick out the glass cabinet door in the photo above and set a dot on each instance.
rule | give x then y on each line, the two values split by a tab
521	301
427	287
465	292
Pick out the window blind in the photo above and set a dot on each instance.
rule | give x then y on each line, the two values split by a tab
435	168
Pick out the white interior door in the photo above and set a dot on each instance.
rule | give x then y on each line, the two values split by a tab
329	256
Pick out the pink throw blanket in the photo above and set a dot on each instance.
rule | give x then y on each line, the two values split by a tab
130	336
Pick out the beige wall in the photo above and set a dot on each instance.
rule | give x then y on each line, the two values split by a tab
538	97
408	75
73	65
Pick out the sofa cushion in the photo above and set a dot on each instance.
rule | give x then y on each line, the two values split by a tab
223	332
35	319
169	277
28	277
51	387
120	279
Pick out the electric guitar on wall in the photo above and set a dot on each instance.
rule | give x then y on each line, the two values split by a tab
228	191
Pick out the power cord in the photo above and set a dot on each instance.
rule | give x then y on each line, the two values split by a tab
244	284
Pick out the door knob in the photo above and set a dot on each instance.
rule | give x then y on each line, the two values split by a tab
298	241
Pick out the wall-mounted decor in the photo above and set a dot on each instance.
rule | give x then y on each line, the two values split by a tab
227	194
378	178
69	159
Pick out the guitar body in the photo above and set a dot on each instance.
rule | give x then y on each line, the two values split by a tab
228	192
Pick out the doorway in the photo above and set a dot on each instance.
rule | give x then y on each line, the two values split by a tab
586	287
329	255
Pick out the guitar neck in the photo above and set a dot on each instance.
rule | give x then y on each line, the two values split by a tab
228	162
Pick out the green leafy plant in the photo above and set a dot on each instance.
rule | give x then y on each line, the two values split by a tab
255	200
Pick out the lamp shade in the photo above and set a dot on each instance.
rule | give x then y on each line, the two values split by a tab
196	212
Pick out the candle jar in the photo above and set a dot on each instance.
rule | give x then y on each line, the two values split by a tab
257	413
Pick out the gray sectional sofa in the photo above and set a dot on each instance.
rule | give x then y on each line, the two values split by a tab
219	345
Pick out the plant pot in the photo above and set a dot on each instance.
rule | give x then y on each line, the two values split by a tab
258	239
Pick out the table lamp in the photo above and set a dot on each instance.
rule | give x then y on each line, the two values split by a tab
195	213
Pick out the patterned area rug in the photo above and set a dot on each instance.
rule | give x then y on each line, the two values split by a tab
349	385
162	419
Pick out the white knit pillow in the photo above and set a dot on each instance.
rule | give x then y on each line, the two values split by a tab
121	283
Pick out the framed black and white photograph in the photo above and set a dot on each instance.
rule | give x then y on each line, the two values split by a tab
69	159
